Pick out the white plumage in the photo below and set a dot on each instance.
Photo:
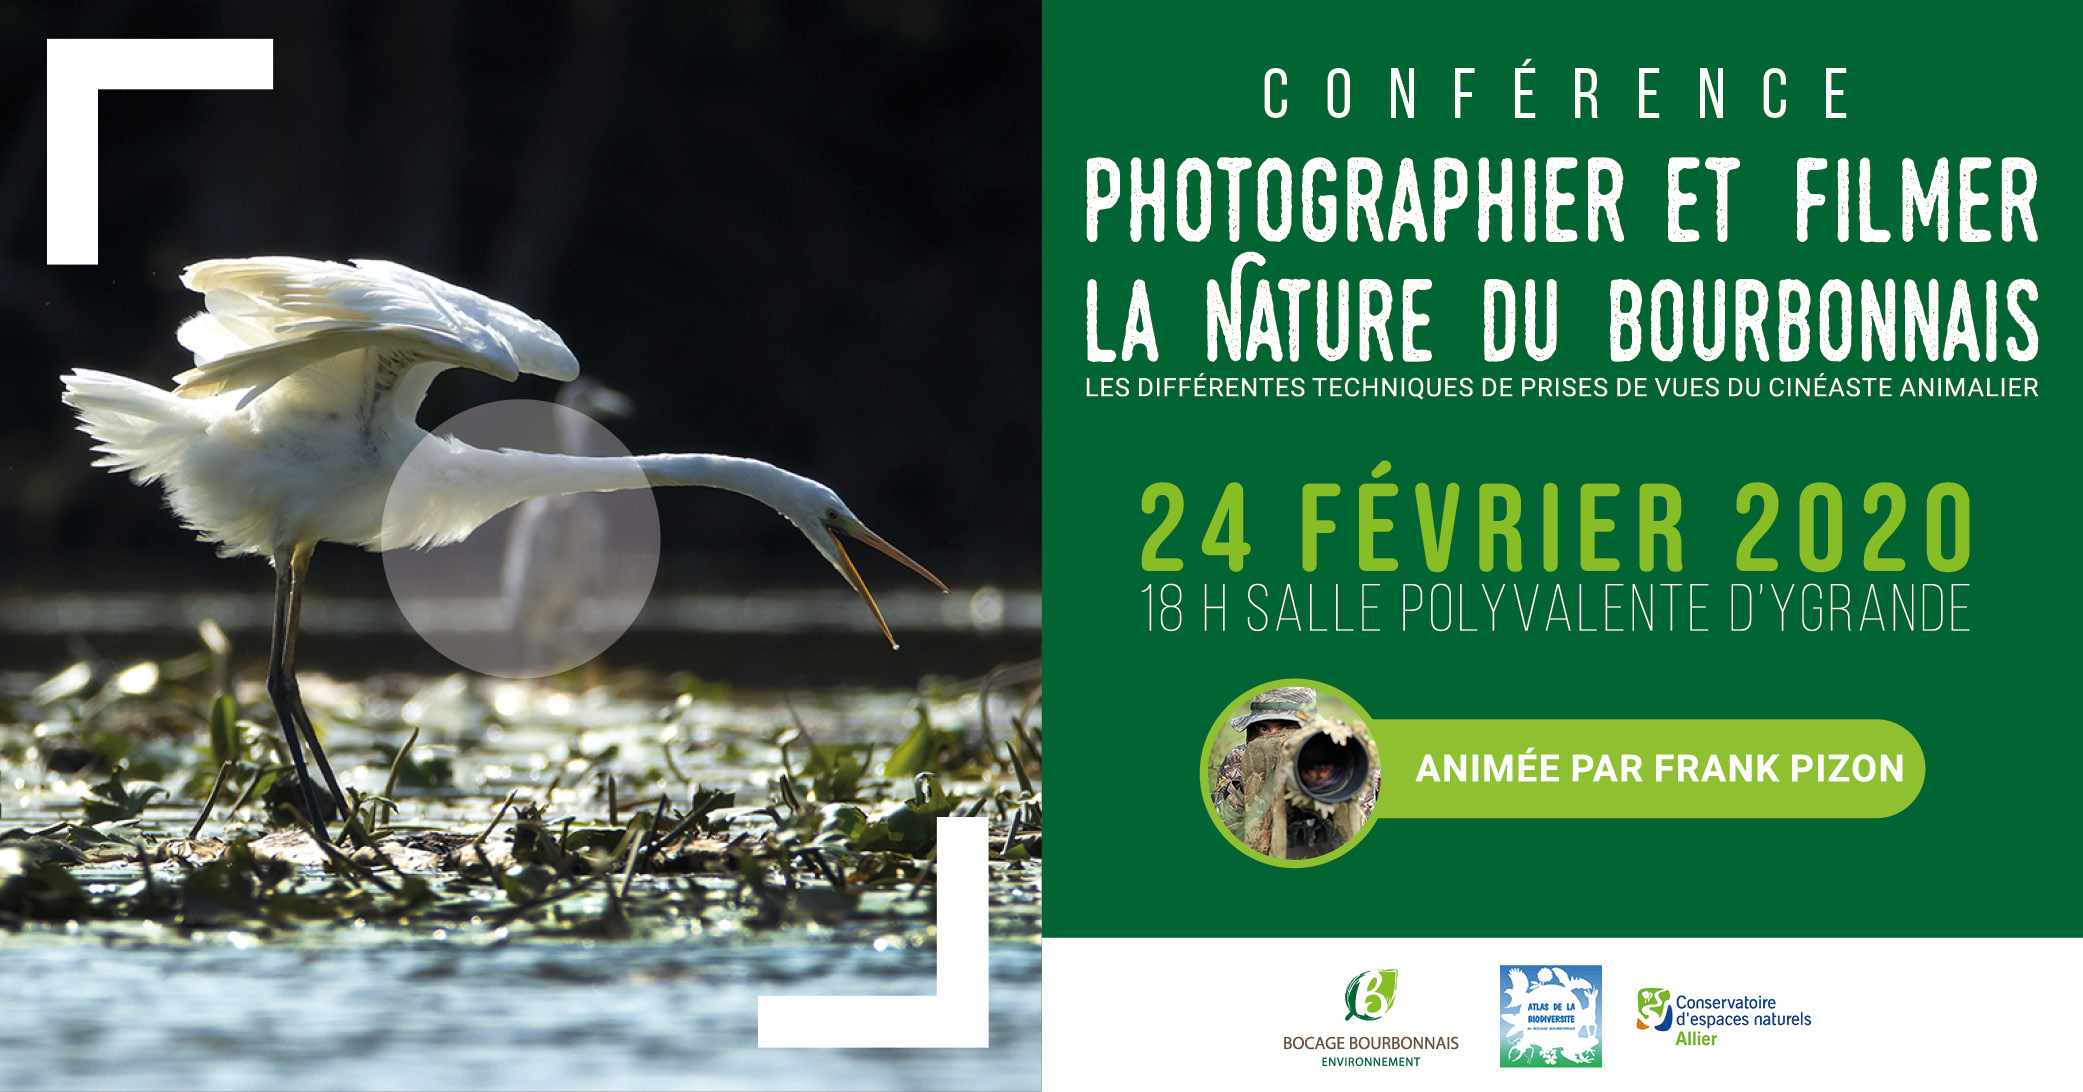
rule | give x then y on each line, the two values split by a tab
294	424
264	318
300	408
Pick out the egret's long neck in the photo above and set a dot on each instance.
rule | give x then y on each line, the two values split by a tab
459	487
755	479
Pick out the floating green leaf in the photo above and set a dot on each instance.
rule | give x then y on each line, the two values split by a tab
117	801
224	730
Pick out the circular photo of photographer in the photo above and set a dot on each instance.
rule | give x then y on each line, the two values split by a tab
1290	773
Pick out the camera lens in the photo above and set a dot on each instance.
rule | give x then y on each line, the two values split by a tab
1330	771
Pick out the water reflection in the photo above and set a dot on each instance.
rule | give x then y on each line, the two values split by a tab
110	1013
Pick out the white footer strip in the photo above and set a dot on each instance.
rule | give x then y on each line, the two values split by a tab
1916	1013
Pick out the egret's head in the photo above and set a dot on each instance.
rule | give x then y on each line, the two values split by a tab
823	518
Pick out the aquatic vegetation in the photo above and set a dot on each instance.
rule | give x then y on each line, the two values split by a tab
646	806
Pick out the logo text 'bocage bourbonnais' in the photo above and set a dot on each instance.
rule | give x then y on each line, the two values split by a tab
1369	996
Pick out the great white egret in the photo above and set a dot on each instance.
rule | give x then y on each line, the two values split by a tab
295	422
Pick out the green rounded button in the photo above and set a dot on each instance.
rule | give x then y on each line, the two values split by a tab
1646	769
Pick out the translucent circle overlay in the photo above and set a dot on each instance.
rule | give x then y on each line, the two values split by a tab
545	585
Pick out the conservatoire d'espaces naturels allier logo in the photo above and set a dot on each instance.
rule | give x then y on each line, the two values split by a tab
1653	1009
1369	996
1658	1009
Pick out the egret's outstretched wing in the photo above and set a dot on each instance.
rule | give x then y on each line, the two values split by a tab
266	318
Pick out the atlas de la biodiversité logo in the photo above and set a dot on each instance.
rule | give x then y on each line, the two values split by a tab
1550	1015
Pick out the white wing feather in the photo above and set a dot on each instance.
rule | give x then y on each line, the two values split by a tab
266	318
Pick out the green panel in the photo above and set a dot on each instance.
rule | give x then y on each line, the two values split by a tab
1977	671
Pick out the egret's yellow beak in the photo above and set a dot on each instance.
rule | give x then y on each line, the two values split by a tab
853	575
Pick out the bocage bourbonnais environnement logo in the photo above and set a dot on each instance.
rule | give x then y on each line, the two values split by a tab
1368	996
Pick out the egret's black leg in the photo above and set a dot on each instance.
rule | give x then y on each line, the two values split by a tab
299	564
282	684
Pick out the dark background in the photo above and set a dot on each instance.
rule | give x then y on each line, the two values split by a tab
806	233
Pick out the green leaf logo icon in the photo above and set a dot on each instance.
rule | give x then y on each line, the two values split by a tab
1370	994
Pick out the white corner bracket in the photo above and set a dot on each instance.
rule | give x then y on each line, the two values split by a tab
77	71
958	1014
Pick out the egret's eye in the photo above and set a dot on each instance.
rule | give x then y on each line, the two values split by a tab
831	514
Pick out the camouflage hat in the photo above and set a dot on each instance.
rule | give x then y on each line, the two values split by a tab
1295	703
